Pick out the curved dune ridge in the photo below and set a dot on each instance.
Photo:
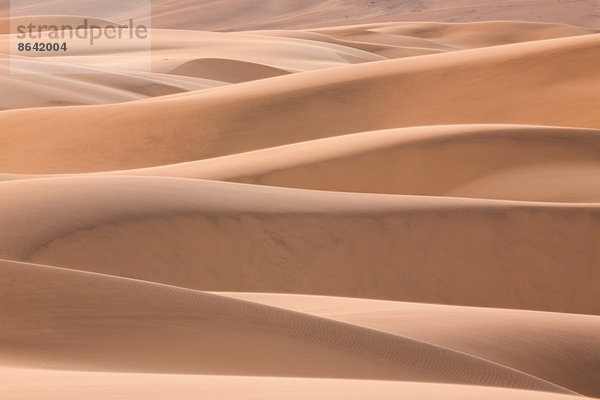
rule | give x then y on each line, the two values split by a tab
199	235
306	199
208	59
483	161
358	352
294	14
490	85
79	85
551	356
508	162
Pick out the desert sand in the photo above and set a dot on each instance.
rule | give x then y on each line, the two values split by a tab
308	200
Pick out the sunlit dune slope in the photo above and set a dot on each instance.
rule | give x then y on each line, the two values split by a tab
449	36
83	86
138	323
507	162
293	14
303	199
556	347
207	59
544	82
71	384
226	14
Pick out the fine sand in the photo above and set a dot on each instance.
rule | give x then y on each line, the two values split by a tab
308	200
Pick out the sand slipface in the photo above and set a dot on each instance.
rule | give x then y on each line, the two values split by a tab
306	199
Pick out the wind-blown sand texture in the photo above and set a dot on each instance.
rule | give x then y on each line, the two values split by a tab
309	199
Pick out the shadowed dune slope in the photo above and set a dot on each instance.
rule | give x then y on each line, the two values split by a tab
173	48
402	39
231	237
224	70
300	199
146	327
560	348
207	14
502	162
450	36
530	83
507	162
260	14
83	86
208	59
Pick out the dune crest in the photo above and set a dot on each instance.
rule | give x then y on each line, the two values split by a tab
305	199
318	104
199	235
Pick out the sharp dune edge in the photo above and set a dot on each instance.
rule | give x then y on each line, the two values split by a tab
550	88
461	328
532	163
307	199
356	352
196	234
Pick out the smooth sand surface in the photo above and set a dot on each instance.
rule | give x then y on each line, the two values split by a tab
184	60
207	14
200	235
42	384
561	354
211	335
295	14
266	14
309	200
508	162
524	83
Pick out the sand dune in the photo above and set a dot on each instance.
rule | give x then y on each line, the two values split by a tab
452	36
174	48
220	58
501	162
83	86
139	322
294	14
331	102
206	14
181	61
507	162
305	199
225	70
70	385
198	235
396	40
561	354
